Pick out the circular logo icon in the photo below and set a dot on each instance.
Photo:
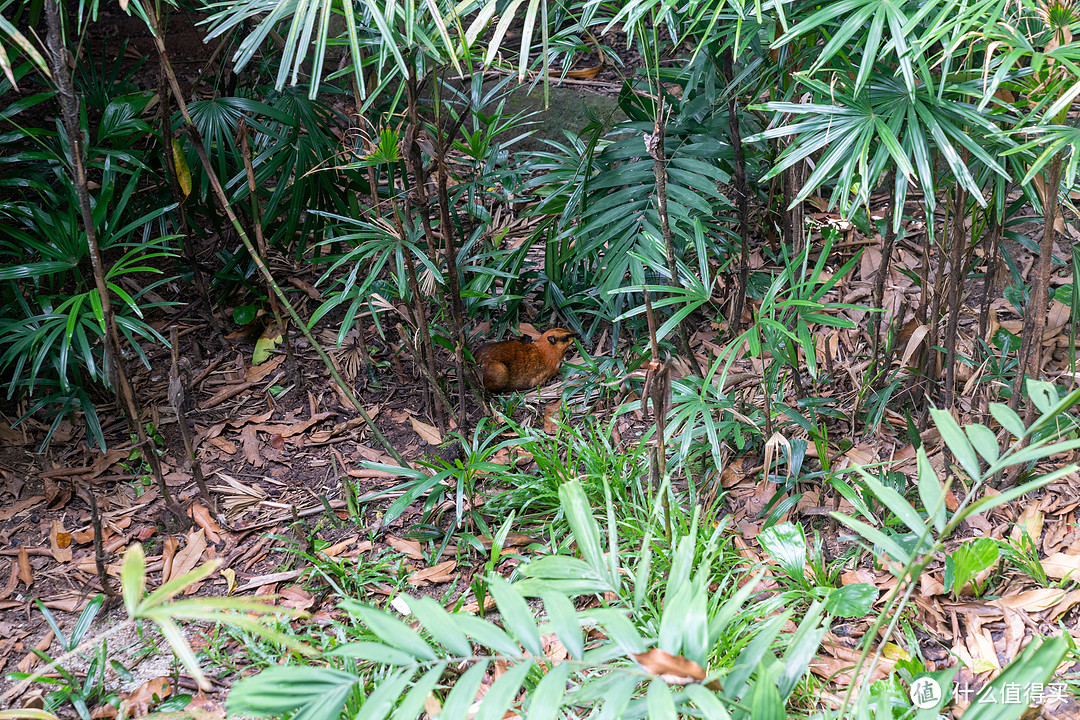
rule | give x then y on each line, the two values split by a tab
925	693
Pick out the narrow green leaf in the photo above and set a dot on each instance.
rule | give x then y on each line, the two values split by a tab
563	617
545	701
659	700
958	443
413	704
518	619
499	696
439	624
463	693
1007	418
391	631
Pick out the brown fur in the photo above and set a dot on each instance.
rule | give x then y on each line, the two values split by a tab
521	364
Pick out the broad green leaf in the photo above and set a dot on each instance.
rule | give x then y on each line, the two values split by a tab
517	617
499	696
851	601
661	704
984	441
563	617
545	700
391	630
930	491
438	623
956	440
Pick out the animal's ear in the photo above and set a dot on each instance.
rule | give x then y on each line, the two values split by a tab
551	339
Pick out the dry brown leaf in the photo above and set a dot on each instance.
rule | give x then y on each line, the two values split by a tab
255	373
338	548
59	542
136	704
673	669
441	573
250	446
225	393
20	506
1066	603
13	580
296	597
1030	521
1032	601
913	343
201	516
287	430
26	574
32	659
409	547
189	557
428	433
1059	565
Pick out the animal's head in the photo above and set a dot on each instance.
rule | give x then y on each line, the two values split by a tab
556	341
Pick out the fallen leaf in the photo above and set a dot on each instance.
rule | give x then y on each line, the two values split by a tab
428	433
136	704
59	542
201	515
26	574
189	557
673	669
409	547
441	573
1059	565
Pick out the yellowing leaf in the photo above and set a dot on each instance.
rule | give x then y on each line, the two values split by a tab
183	172
270	339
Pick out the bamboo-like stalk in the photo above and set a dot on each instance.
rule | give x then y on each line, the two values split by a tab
1031	344
114	357
223	200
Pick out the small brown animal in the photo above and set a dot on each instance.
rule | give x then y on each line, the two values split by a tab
524	364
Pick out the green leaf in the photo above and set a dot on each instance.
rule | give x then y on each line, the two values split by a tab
563	617
440	625
502	693
854	600
545	700
518	619
373	651
1035	665
463	693
787	545
382	699
586	531
390	630
968	560
659	700
930	491
133	578
706	702
487	634
880	539
413	704
956	440
984	441
765	701
318	693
